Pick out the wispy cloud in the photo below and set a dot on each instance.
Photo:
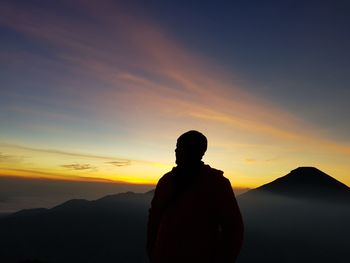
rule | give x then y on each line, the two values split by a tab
120	163
260	161
77	166
5	156
60	152
11	158
37	173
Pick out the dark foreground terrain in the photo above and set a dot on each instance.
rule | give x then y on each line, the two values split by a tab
301	217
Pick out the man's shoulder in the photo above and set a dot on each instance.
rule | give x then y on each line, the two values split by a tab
167	176
207	171
215	173
216	176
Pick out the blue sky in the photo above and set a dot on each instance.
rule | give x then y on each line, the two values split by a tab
294	53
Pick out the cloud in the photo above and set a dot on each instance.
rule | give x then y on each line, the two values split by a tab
4	198
10	158
76	166
250	160
60	152
120	163
39	174
5	156
274	159
254	160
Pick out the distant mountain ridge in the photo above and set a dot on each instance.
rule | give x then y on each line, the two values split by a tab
112	202
109	229
302	182
306	182
113	228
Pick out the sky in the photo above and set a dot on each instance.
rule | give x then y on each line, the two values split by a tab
99	91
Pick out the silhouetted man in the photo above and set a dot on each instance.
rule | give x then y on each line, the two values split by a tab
194	216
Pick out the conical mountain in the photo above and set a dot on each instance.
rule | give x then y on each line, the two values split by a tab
307	182
301	217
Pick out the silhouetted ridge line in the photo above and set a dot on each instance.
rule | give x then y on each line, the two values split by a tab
71	204
150	192
29	212
112	202
114	197
307	182
110	229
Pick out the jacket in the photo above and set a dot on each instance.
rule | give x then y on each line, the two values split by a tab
194	217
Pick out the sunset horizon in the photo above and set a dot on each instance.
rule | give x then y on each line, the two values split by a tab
100	91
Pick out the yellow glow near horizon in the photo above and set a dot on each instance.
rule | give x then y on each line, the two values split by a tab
52	164
39	163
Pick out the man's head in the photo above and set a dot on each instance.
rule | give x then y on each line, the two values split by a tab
190	148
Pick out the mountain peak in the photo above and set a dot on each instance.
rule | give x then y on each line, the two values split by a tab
307	182
306	169
309	171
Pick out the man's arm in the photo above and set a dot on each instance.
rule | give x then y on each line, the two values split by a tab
231	223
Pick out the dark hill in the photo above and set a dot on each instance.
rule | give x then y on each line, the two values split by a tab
301	217
110	229
307	182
